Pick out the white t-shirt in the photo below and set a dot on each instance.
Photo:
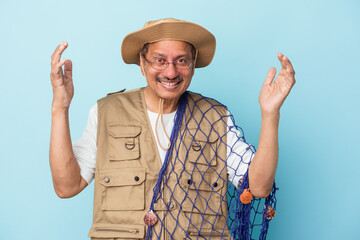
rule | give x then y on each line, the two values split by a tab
239	153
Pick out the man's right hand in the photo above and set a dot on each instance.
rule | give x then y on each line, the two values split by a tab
61	81
64	167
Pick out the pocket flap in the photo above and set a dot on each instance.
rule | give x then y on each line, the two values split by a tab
123	131
203	134
103	230
122	177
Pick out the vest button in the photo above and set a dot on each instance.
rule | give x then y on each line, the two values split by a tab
136	178
171	206
215	184
189	181
107	180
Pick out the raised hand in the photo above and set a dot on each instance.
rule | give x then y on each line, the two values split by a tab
61	81
273	93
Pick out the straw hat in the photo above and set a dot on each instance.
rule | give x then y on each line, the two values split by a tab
170	29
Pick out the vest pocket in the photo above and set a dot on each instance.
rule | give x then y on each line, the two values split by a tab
123	142
202	145
122	189
116	231
203	193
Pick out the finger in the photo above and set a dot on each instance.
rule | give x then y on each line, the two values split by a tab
68	70
270	76
55	58
282	58
290	68
56	71
61	63
57	67
286	64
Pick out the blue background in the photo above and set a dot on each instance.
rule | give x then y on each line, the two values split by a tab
319	127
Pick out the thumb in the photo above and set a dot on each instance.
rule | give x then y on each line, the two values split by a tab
270	76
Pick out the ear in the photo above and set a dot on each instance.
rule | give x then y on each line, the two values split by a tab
142	67
193	67
193	71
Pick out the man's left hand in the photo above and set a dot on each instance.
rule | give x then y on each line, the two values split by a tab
273	93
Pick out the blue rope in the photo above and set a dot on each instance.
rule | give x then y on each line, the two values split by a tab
242	219
173	137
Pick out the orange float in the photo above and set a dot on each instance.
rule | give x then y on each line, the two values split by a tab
246	196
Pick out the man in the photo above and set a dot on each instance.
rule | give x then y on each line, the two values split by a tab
171	176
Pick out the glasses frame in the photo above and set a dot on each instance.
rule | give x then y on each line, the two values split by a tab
167	64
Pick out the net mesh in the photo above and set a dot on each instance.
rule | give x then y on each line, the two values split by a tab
197	195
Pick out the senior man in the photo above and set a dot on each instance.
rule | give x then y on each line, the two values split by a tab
162	156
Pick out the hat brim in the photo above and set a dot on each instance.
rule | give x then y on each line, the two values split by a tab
199	37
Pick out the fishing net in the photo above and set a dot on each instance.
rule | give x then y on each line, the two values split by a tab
195	197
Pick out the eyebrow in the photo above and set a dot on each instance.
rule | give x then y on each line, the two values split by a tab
163	55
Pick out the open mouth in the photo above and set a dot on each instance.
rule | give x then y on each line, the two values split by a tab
169	83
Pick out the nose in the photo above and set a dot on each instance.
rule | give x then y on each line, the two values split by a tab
170	72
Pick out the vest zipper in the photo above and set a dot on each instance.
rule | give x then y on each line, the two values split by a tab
121	230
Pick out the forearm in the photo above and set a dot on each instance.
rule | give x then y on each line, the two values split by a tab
263	166
64	167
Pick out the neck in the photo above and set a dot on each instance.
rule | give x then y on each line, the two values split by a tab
152	103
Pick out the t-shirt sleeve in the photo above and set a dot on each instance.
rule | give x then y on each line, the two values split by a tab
85	149
239	153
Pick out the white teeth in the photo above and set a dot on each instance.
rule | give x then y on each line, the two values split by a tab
169	84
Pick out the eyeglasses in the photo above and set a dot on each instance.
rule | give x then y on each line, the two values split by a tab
162	64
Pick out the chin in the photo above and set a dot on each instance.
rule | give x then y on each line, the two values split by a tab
169	95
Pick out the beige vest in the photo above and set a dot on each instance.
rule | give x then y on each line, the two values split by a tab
128	164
